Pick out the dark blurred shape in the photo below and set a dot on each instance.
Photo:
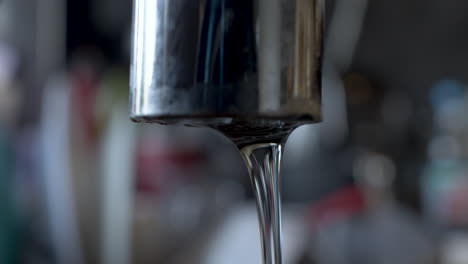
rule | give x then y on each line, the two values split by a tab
444	182
82	31
9	220
360	90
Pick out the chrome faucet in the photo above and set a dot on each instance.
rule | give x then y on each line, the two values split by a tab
199	59
249	68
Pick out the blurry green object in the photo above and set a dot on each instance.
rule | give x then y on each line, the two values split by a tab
8	228
112	91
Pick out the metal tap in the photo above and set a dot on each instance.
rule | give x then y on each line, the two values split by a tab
198	59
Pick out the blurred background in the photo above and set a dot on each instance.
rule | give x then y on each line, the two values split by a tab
383	180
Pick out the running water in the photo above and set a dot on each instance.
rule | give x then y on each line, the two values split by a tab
261	144
263	162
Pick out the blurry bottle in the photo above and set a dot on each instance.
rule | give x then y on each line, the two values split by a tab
9	235
374	229
9	221
445	178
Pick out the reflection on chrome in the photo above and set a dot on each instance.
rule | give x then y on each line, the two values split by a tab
226	58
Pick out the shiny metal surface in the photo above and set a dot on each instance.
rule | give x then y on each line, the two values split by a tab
226	58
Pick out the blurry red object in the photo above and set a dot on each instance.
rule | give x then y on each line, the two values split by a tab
339	205
159	168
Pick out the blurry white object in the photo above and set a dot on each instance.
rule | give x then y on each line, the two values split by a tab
238	241
118	170
9	62
455	249
56	170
